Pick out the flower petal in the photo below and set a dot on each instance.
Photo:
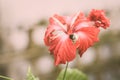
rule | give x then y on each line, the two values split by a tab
87	36
54	25
77	19
57	39
98	16
63	49
80	21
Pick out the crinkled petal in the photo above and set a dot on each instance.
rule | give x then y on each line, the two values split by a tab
60	18
78	18
57	39
99	18
63	49
87	36
55	25
79	21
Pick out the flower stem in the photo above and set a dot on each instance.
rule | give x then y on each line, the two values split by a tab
65	71
7	78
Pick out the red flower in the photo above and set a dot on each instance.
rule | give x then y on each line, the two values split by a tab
65	34
98	16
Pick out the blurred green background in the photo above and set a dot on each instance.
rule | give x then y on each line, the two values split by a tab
22	27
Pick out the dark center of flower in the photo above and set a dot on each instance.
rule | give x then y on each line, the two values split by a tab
72	37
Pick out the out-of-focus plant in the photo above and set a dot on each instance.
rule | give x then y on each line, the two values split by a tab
30	75
72	74
5	78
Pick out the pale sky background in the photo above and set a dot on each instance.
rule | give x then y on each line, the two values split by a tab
14	13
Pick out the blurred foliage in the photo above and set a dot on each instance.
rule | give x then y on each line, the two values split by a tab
109	38
42	22
5	78
72	74
30	75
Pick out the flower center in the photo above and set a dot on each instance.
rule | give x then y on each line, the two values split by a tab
73	37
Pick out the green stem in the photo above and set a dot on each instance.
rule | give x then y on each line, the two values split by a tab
65	71
7	78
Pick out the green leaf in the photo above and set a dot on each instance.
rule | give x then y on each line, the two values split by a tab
72	74
5	78
30	76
